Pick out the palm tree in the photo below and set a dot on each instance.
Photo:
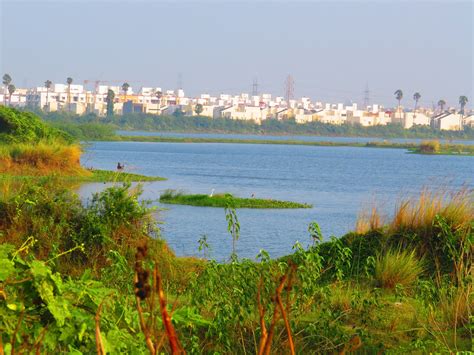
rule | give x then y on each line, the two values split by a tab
462	101
441	104
125	87
11	90
69	82
399	96
110	102
416	97
7	79
47	85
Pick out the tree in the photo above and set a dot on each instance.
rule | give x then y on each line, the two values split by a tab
441	104
69	82
416	97
198	109
462	101
110	102
7	79
11	90
47	85
125	87
399	96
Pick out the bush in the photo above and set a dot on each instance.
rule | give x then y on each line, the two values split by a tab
397	267
26	127
430	147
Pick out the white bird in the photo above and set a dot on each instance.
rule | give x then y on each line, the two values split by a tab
212	193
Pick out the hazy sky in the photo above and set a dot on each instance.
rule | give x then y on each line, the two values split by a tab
332	49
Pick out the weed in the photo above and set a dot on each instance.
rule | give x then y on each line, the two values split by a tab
397	267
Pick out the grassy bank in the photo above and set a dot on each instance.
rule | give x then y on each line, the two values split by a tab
30	149
77	278
225	200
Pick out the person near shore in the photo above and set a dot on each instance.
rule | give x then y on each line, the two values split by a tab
120	166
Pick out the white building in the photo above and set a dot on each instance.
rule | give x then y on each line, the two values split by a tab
448	121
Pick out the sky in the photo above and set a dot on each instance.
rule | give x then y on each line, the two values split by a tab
332	50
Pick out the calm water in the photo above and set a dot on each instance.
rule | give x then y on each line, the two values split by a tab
293	137
338	181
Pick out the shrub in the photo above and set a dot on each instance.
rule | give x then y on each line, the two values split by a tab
397	267
26	127
430	147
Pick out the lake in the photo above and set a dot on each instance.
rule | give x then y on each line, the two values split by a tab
338	181
286	137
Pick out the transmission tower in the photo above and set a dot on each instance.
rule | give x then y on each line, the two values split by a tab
289	89
255	87
366	96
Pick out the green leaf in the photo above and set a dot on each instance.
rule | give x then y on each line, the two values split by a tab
39	269
57	306
5	250
6	269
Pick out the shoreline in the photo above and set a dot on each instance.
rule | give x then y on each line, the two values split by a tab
413	148
98	175
285	134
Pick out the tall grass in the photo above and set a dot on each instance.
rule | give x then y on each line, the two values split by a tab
397	267
418	213
369	221
42	158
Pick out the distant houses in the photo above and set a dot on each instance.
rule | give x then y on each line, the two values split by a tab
77	99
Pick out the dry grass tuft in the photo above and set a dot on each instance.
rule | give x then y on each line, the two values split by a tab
419	213
397	267
44	158
454	308
369	221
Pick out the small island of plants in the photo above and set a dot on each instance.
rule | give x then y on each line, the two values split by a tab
225	200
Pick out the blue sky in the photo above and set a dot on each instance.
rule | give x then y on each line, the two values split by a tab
332	49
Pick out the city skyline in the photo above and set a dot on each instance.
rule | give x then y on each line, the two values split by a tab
335	51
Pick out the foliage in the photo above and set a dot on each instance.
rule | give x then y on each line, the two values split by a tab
397	267
180	123
70	272
221	200
26	127
429	147
42	158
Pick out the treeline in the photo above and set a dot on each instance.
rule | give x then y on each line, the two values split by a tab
93	126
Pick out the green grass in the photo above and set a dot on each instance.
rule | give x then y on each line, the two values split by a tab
116	176
96	176
397	267
224	200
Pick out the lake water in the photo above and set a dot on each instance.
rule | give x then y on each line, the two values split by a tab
286	137
338	181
